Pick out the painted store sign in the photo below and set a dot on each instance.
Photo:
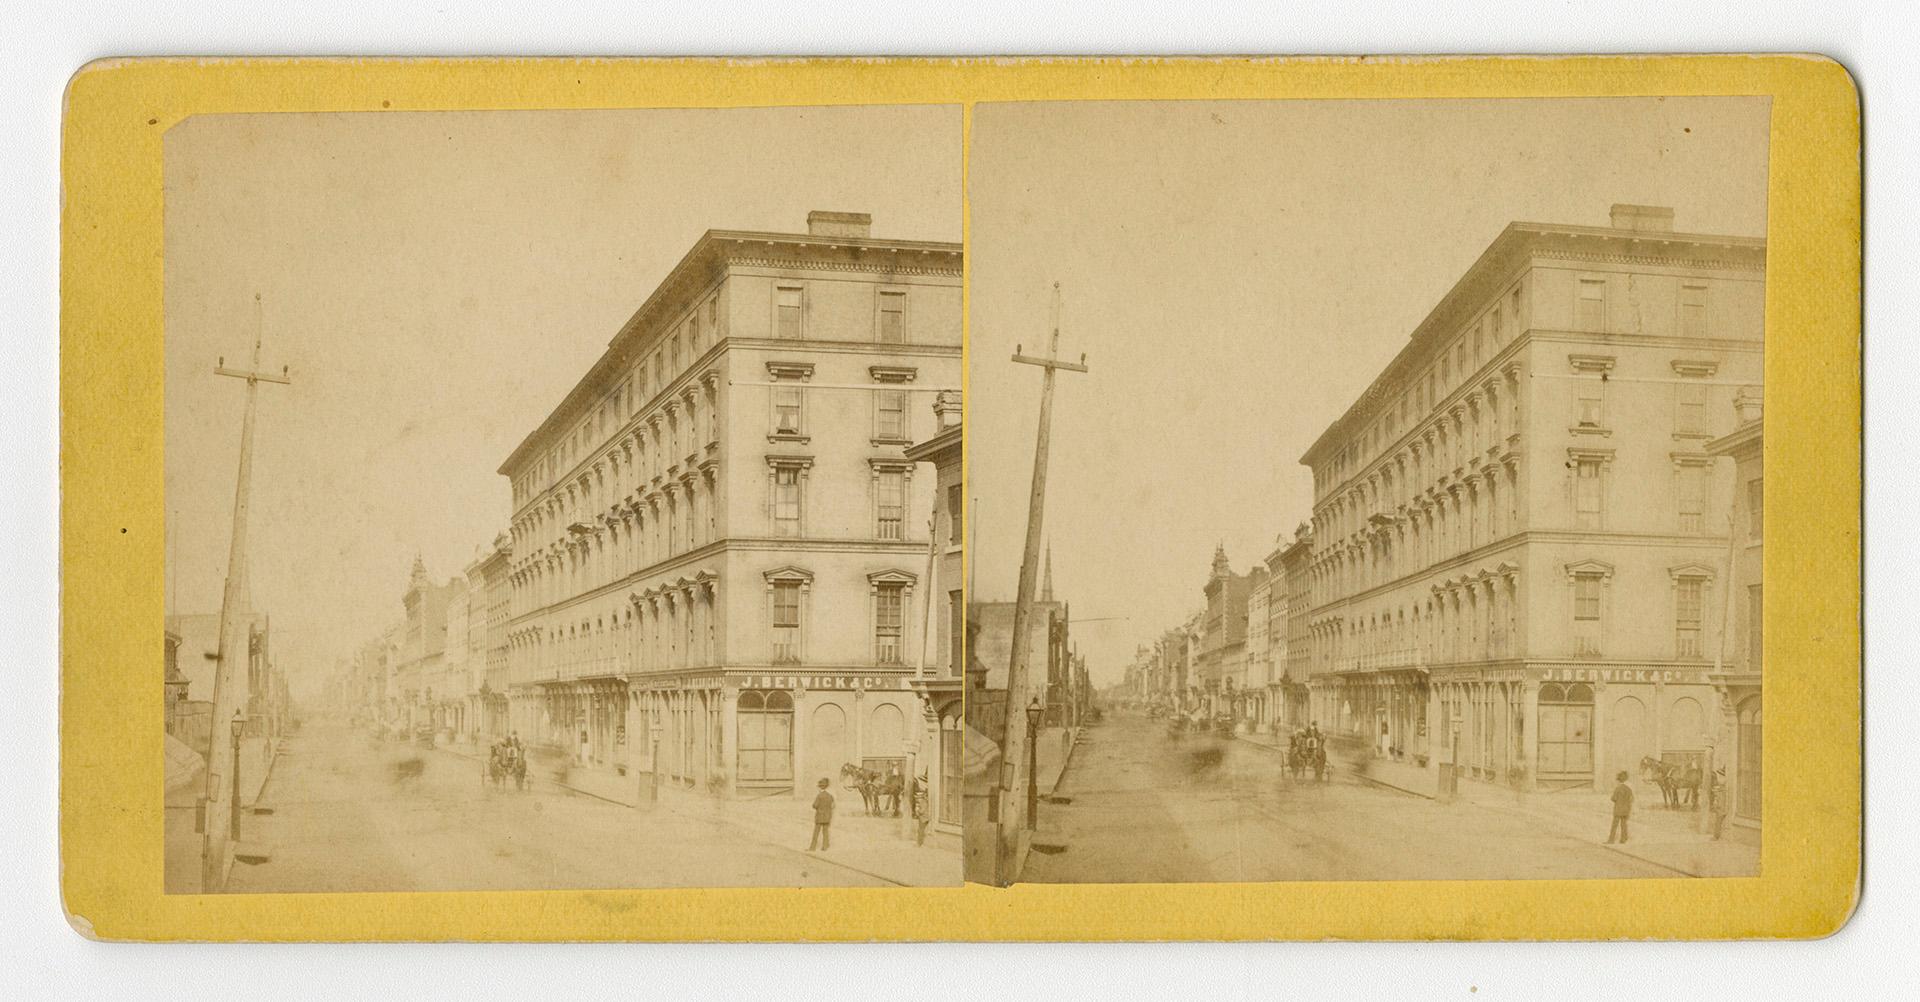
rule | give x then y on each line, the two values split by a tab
1647	675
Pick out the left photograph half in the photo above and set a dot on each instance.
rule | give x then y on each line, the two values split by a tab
563	500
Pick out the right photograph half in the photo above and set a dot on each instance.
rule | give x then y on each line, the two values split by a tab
1365	490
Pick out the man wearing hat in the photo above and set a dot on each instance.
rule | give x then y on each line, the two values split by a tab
1622	809
822	819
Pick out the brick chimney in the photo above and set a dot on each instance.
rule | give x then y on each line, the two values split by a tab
1648	218
839	224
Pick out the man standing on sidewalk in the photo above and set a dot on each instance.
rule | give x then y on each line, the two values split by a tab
1622	809
822	820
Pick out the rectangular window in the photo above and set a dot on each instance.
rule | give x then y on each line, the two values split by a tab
889	614
1592	412
1690	417
891	504
954	516
1499	325
673	355
1587	494
956	634
890	415
693	333
787	312
1686	617
1755	495
1693	310
1586	614
713	318
1590	312
1754	622
786	501
893	317
786	622
786	410
1693	498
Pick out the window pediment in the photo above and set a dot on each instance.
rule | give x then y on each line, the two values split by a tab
891	576
1695	367
1590	567
800	462
1692	569
1591	364
892	373
790	370
788	573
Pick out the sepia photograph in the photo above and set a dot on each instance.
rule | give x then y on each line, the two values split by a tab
1366	490
563	500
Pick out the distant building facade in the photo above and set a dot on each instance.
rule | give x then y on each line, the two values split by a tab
1296	565
1222	661
717	537
1513	567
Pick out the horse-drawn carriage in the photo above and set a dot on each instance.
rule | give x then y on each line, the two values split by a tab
1307	752
506	763
874	786
1679	782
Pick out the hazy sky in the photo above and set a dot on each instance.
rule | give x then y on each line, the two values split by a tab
437	282
1237	273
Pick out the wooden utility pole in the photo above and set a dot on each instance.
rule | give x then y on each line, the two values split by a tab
230	682
1013	750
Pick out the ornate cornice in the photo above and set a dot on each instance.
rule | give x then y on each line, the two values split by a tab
873	268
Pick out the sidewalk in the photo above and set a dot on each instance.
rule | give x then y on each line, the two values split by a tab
1661	837
877	846
1053	750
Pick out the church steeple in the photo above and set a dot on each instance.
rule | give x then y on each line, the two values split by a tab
1221	568
1046	585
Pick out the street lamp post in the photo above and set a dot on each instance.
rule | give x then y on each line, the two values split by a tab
1033	759
233	824
654	730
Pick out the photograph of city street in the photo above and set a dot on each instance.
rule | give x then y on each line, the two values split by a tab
1365	490
563	500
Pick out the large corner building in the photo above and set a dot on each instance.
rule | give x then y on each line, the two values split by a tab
1519	542
719	542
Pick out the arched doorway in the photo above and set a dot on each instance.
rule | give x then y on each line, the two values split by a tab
1686	728
1747	797
1626	736
952	768
765	740
1566	734
886	738
827	741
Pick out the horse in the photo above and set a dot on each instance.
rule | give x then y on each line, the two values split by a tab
867	781
1662	775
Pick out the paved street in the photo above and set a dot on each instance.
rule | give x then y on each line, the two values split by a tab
1143	808
345	818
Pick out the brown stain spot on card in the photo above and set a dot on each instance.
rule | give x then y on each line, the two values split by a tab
153	121
386	104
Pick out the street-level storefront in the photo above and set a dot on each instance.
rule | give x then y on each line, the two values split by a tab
939	753
1543	725
1571	724
1737	749
1384	710
754	733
